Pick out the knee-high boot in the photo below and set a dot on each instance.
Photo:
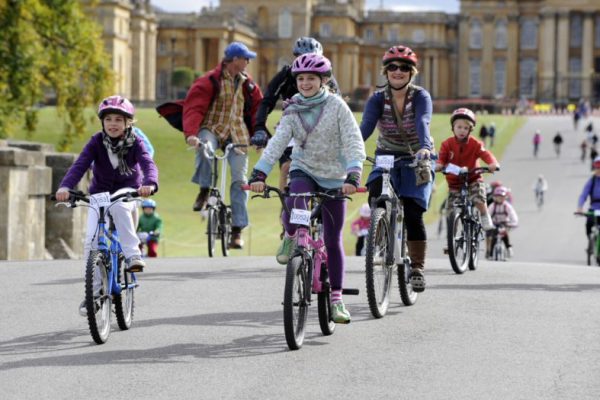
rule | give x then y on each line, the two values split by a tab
416	251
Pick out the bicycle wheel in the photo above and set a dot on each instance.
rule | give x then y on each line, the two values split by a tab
225	230
97	298
295	302
407	294
324	304
124	301
378	275
212	230
475	242
458	246
590	249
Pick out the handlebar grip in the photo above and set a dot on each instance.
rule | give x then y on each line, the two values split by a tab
362	189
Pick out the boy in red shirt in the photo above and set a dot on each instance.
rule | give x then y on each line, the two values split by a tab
463	150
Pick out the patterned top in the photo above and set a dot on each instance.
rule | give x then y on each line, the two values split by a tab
225	117
332	148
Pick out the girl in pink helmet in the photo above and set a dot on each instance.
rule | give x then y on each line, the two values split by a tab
328	154
119	160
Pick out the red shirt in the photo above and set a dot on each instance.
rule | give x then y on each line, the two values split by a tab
463	154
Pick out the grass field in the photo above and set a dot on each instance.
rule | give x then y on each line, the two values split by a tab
184	231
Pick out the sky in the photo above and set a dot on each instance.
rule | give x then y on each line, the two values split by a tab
451	6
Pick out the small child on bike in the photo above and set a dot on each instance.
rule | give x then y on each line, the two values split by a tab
328	154
149	226
504	218
539	188
463	150
119	161
591	189
360	228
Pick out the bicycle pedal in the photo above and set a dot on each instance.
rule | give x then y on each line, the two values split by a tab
352	292
446	251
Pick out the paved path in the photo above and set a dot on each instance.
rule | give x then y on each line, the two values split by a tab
212	328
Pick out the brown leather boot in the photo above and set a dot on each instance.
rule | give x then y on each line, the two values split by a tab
236	241
201	199
416	252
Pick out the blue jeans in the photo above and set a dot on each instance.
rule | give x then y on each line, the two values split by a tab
238	164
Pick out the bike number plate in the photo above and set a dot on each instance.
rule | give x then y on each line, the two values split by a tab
453	169
384	162
300	217
100	199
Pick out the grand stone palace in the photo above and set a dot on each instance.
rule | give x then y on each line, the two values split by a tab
545	50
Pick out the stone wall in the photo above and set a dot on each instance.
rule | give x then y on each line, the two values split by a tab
31	228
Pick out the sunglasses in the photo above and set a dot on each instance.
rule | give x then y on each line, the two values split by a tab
401	67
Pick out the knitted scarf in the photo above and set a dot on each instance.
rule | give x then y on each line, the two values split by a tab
309	109
120	147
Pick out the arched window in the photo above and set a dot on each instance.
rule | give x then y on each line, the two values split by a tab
500	35
475	35
285	24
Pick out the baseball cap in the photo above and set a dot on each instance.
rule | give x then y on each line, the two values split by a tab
237	49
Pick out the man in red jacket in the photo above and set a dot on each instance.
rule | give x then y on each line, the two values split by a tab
220	108
463	150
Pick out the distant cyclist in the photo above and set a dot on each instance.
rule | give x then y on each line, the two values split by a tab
591	190
504	217
558	141
539	188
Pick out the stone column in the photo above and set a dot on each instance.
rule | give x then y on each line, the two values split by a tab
587	55
138	56
562	53
151	35
547	54
487	57
463	57
512	57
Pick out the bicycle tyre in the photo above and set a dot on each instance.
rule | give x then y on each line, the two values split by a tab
212	229
378	276
225	231
407	294
98	305
475	242
458	246
590	250
324	303
124	301
295	302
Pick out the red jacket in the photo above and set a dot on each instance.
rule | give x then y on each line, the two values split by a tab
202	93
466	154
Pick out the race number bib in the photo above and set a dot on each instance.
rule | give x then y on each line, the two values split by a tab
596	213
100	199
384	162
453	169
300	217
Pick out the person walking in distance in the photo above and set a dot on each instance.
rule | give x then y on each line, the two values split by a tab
537	140
558	141
219	109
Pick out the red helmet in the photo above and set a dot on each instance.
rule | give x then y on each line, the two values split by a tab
463	113
400	53
596	163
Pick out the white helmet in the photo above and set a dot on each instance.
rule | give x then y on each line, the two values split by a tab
365	210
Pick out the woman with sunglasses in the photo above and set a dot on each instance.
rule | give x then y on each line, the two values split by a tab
402	112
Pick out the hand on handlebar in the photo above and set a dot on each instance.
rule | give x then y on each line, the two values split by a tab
493	167
146	191
423	154
62	194
193	141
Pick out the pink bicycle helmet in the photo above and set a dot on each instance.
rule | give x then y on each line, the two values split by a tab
500	191
312	63
116	105
463	113
400	53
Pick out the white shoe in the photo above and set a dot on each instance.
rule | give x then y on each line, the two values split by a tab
82	309
486	223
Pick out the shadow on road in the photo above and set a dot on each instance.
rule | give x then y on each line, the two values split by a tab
522	286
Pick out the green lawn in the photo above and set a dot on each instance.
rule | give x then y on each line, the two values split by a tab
184	231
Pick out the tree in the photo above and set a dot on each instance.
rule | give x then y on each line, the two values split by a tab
49	47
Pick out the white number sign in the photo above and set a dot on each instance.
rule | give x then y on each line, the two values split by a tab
300	217
384	162
100	199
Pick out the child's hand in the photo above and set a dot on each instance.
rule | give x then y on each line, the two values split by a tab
145	191
62	194
493	167
348	188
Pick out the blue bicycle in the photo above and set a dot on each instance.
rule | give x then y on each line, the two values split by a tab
106	280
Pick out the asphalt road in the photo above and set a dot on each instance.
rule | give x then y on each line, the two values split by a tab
212	328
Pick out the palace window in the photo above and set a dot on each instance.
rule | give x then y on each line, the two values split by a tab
576	30
500	77
597	32
475	35
369	35
527	73
163	84
325	30
575	79
500	35
529	30
285	24
393	35
474	77
418	36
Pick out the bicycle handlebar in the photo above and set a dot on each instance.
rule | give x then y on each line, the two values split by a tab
477	170
75	195
210	153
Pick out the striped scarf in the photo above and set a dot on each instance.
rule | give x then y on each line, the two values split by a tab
120	147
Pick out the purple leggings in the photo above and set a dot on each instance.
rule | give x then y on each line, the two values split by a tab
333	213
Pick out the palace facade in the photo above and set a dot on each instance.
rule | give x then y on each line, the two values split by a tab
545	50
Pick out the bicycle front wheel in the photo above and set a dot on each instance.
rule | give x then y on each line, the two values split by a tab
212	230
378	274
458	246
225	229
97	299
124	301
324	303
295	302
475	242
